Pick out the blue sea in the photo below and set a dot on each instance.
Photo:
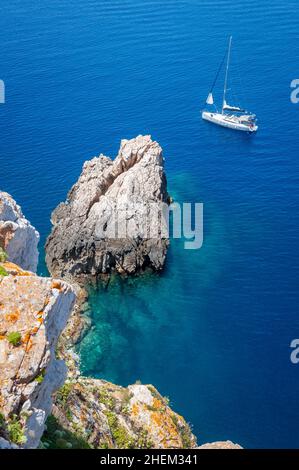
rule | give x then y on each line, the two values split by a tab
213	331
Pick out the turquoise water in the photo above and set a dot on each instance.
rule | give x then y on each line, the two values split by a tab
213	331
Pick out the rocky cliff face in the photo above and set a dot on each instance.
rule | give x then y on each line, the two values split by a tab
109	416
17	236
33	312
110	221
98	414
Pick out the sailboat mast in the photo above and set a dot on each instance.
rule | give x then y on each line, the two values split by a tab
226	72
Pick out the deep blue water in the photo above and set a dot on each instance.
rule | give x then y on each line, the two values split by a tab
213	331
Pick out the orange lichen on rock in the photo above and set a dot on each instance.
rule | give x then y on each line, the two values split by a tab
157	404
166	427
26	337
13	317
15	270
157	418
27	341
56	285
135	409
29	345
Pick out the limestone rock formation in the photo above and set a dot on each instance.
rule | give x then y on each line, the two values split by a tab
17	236
107	415
33	312
111	220
220	445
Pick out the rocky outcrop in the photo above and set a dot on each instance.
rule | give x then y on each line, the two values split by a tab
17	236
33	312
220	445
98	414
105	415
112	220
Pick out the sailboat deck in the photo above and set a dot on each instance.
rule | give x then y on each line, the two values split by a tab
241	123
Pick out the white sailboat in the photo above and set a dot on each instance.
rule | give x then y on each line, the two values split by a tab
230	116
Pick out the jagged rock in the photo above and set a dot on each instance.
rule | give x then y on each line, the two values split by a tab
107	415
130	189
17	236
33	312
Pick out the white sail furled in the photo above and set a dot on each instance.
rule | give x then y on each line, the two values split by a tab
210	99
232	108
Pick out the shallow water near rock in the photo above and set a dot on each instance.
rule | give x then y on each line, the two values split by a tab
213	331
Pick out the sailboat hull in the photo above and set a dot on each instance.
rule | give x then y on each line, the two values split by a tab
230	121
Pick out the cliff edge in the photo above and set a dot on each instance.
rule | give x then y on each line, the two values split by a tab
105	415
33	312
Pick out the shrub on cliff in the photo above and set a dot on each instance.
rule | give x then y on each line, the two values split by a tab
56	437
16	432
3	255
3	271
14	338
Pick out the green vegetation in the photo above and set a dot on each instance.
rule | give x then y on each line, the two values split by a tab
68	414
56	437
104	446
184	431
3	427
166	400
3	271
106	398
15	431
154	392
186	436
3	255
2	421
14	338
39	379
119	433
175	420
63	394
125	401
143	441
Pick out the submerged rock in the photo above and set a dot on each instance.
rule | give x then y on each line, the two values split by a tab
111	220
33	312
17	236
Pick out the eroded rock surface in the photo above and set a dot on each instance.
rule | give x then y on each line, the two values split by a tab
17	236
104	224
33	312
